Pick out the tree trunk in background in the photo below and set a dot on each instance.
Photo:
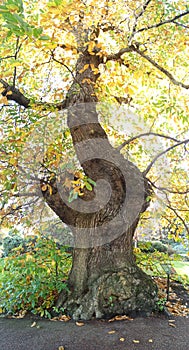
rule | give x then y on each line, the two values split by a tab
104	279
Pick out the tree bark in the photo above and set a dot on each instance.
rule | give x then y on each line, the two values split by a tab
104	279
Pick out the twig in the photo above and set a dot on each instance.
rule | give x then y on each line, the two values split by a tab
145	134
178	216
165	189
163	70
138	16
145	172
171	20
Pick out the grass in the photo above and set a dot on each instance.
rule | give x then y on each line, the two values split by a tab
182	268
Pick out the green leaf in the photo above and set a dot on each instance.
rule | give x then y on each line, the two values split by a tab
44	37
72	196
92	182
88	186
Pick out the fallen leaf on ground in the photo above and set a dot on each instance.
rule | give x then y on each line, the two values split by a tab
150	340
21	314
111	332
136	341
122	339
172	325
80	324
120	318
64	318
33	324
61	348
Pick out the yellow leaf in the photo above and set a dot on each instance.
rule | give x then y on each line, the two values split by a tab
13	161
4	100
88	81
136	341
44	187
84	68
33	324
50	189
9	93
122	339
94	69
172	325
150	341
64	318
111	332
61	348
80	324
91	47
79	175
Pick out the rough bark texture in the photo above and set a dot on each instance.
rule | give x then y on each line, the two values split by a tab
104	279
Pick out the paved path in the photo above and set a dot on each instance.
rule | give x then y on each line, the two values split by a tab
152	334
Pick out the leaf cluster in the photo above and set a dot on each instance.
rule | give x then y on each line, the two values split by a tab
31	280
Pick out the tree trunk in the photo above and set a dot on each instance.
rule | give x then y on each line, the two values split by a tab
104	279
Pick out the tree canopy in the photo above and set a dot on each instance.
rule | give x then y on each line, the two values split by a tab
142	47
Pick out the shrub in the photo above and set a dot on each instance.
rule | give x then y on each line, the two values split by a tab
160	247
150	247
32	280
10	242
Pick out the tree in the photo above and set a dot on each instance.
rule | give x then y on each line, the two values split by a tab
57	56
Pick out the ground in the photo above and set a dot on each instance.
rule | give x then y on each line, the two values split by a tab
163	331
150	333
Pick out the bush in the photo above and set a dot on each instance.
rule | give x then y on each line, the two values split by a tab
10	242
160	247
32	280
150	247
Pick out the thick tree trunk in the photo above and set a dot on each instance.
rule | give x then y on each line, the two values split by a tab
104	279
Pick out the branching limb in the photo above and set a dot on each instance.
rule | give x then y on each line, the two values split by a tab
22	100
181	25
135	48
63	64
15	95
177	215
161	69
15	57
169	190
171	20
142	135
13	210
145	172
116	56
144	7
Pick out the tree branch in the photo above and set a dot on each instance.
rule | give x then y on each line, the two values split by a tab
15	95
161	69
145	172
165	189
135	48
171	20
117	55
138	16
178	215
145	134
22	100
181	25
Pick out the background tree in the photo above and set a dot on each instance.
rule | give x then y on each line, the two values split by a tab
57	61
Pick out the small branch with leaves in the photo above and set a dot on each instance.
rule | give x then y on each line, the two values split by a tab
127	142
145	172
